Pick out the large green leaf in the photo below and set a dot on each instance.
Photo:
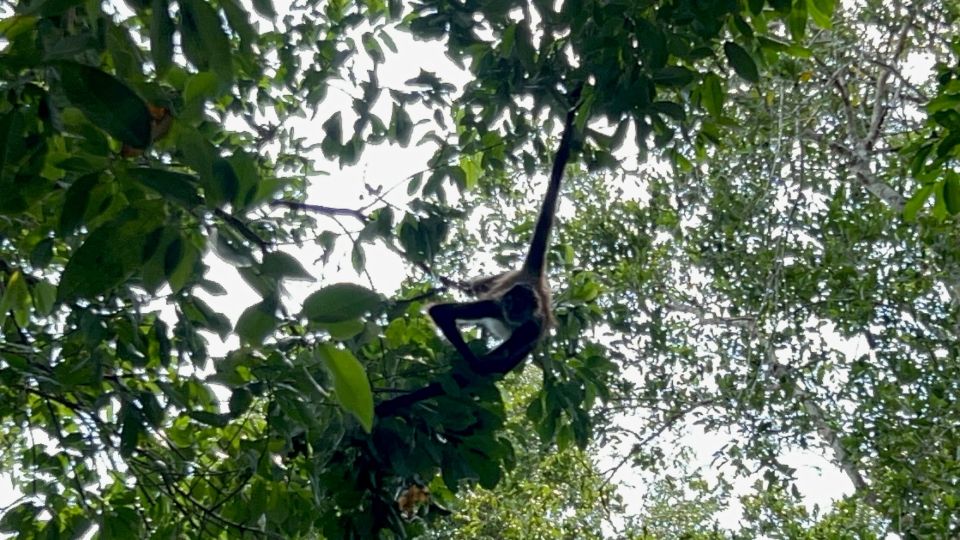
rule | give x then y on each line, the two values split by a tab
265	8
175	186
340	302
257	322
280	265
350	383
951	193
712	95
741	61
15	299
161	36
107	102
203	22
75	202
111	253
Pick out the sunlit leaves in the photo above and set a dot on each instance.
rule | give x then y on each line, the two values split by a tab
350	383
107	102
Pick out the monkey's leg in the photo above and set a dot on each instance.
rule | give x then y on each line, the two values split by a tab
511	352
445	316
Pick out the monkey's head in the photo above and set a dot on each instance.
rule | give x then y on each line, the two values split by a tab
519	304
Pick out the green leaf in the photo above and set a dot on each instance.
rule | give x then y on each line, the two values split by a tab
131	425
179	262
712	95
42	253
486	467
109	255
16	298
75	202
44	297
340	302
107	102
333	136
797	21
358	258
199	88
280	265
239	20
951	193
200	155
673	76
17	519
342	331
401	126
265	8
820	11
177	187
205	22
209	418
161	36
824	6
247	171
257	322
350	383
741	61
226	184
388	41
240	401
395	8
198	312
670	109
372	47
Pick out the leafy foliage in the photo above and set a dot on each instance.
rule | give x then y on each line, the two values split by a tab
137	140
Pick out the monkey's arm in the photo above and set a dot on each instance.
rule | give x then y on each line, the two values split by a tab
499	361
445	316
511	352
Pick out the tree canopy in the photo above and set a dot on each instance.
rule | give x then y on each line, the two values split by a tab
760	247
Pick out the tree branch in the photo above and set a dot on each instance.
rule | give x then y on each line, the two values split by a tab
325	210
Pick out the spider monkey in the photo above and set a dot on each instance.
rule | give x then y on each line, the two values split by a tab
514	305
